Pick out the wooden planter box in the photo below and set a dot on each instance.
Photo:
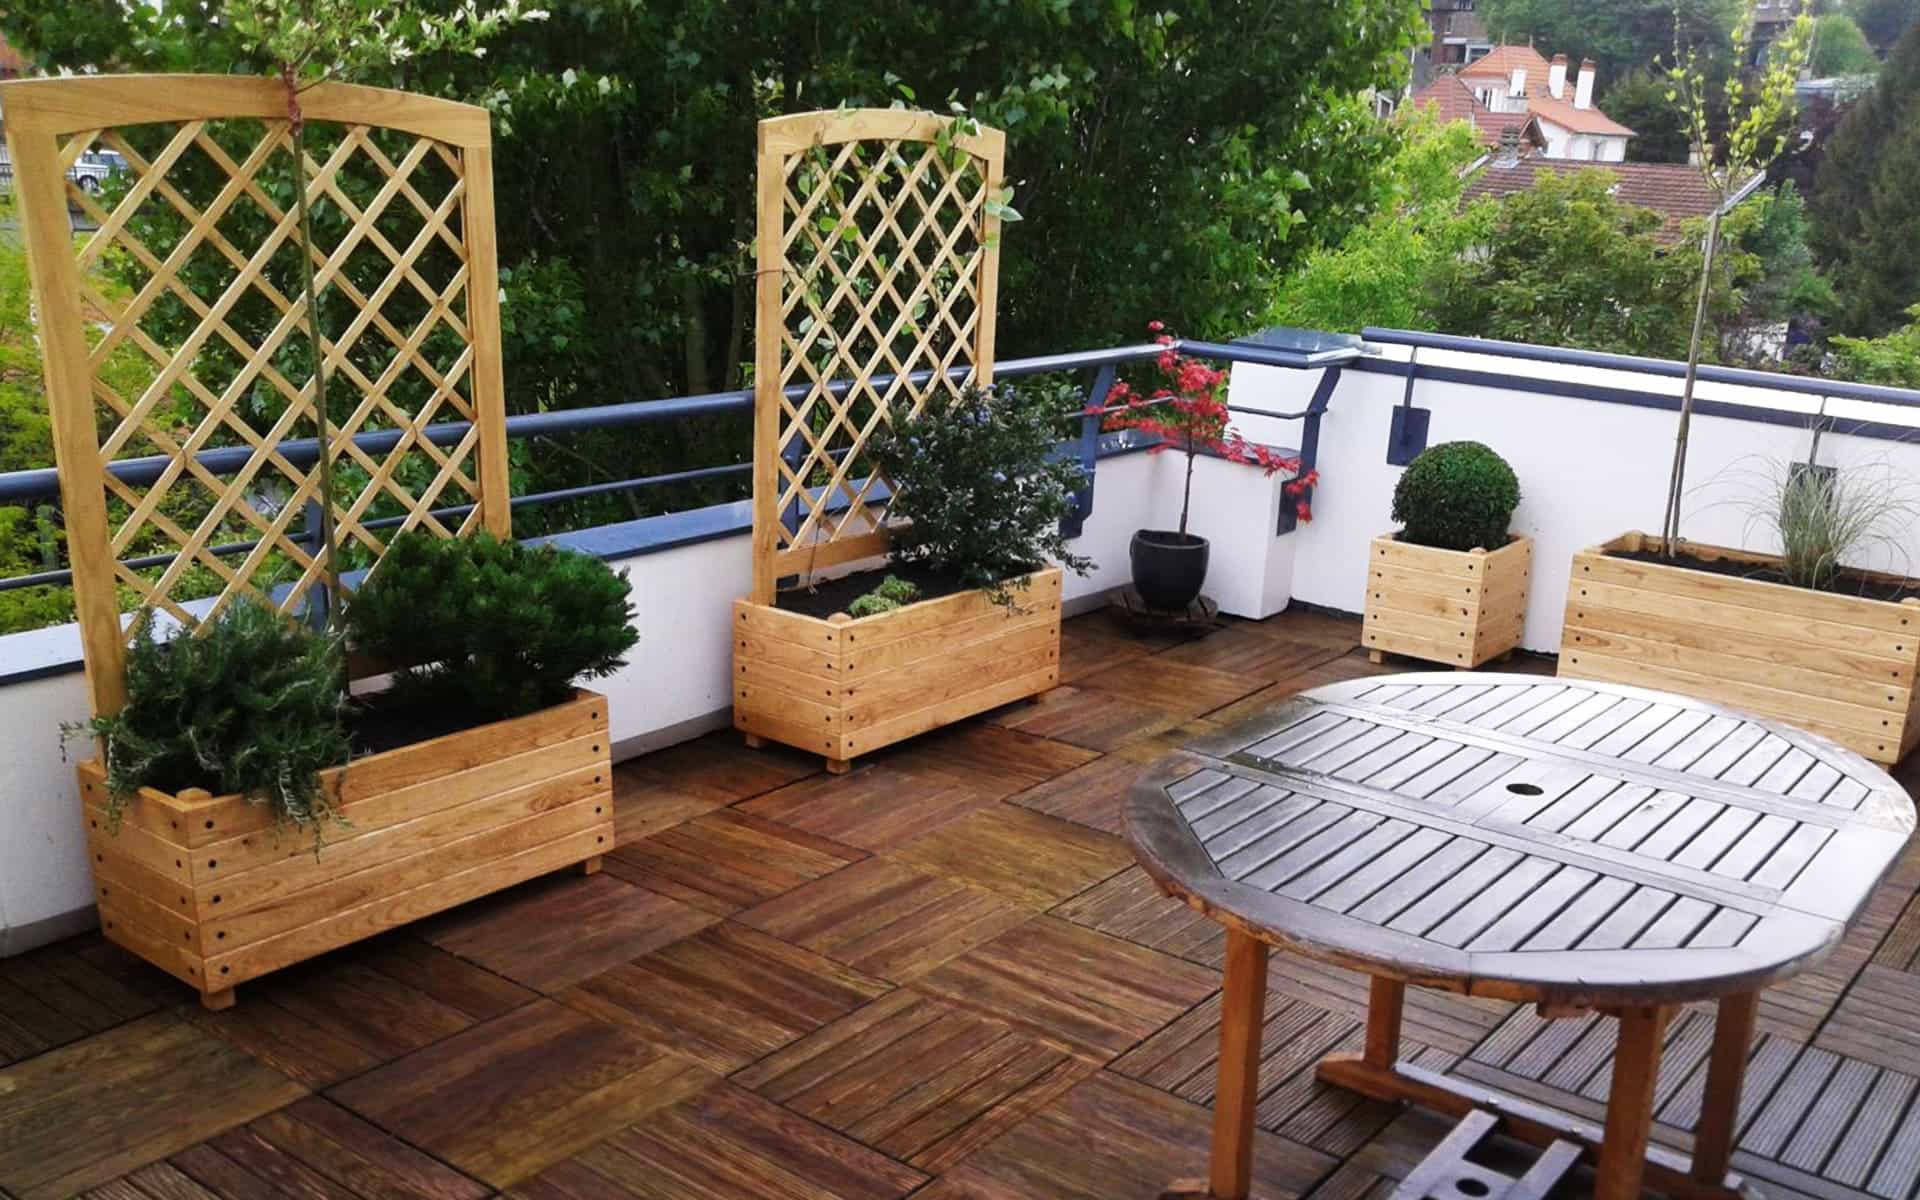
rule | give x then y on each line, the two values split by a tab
843	687
1840	666
1462	607
206	888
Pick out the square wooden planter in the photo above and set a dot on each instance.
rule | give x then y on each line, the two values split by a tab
1837	665
206	888
843	687
1460	607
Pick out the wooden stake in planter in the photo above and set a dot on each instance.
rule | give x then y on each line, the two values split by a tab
878	264
1837	665
199	885
1458	607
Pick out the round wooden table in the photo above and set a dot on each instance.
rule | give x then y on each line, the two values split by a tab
1581	846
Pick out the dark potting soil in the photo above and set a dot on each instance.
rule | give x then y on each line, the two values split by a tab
1849	583
831	596
378	722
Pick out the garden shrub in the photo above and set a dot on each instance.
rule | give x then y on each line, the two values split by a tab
496	628
252	705
1456	496
891	593
980	483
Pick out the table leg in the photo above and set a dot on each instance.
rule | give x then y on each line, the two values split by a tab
1726	1073
1386	1003
1243	1003
1636	1067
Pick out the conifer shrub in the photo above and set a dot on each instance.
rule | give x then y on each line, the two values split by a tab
494	628
251	705
981	486
1456	496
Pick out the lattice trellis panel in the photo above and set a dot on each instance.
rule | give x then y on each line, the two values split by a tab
174	331
878	264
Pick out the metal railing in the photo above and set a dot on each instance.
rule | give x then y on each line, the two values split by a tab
27	487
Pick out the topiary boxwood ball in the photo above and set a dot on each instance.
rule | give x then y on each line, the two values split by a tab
1456	496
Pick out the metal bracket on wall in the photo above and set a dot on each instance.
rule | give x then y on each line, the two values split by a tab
1407	436
1309	448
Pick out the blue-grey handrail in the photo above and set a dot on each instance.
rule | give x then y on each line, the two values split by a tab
1660	367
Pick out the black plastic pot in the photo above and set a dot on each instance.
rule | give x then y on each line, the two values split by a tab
1168	567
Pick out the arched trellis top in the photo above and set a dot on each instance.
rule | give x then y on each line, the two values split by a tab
78	103
176	325
877	256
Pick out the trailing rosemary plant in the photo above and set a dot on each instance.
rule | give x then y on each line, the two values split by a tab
250	706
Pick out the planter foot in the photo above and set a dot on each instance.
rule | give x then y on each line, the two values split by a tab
1376	657
590	866
218	1001
839	766
755	741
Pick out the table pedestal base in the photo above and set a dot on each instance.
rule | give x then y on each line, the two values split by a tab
1667	1171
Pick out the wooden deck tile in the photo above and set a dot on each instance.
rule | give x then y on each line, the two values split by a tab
1091	717
876	807
313	1148
987	757
83	986
1131	906
1179	688
1879	1020
557	931
1029	858
1113	1137
1087	646
1054	979
1091	795
923	1080
658	791
726	996
1446	1021
78	1116
726	861
512	1096
887	918
725	1142
347	1012
1247	650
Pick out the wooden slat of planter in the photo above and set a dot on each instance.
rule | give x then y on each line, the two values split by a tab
920	721
215	864
137	845
1397	580
301	868
1675	644
439	891
794	657
805	712
125	930
129	875
1737	617
1883	615
1435	629
938	614
151	810
489	841
758	673
1791	652
159	912
1386	640
954	664
765	621
769	723
1868	737
868	659
1394	552
951	682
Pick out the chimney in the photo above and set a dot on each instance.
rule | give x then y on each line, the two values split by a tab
1519	85
1557	77
1583	91
1509	152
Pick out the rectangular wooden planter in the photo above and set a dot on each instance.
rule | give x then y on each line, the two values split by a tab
1837	665
208	889
1460	607
842	687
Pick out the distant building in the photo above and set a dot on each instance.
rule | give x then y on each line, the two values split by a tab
1457	37
1674	190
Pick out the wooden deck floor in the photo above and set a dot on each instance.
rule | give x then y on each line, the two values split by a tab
940	975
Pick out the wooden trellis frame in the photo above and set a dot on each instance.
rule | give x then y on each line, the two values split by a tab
877	257
49	124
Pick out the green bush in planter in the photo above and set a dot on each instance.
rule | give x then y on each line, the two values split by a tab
250	705
495	628
1456	496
